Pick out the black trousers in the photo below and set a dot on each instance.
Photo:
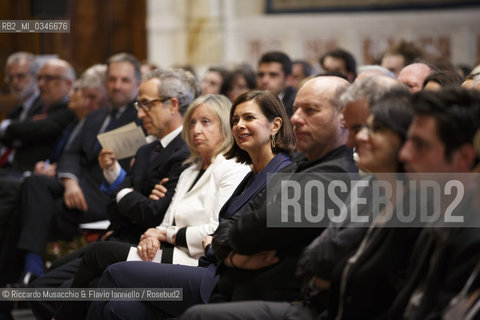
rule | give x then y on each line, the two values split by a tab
96	259
250	310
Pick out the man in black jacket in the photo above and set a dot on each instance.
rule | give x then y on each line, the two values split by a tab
75	197
32	138
440	139
259	260
274	74
131	211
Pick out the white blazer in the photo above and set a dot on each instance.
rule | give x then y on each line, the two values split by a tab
198	208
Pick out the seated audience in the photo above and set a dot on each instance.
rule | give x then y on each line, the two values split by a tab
263	138
401	55
381	141
414	74
341	61
441	79
130	210
213	80
443	258
301	70
75	197
370	70
259	262
201	191
241	79
273	74
31	138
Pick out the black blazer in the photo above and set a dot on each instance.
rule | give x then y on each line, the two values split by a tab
136	212
248	234
35	108
37	137
81	160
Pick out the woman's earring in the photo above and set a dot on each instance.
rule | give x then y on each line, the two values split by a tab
272	141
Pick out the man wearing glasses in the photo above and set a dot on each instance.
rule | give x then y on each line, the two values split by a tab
162	101
52	208
31	136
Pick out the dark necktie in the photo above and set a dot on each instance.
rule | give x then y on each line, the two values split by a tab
113	120
156	151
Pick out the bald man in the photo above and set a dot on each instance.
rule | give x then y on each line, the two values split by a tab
245	246
414	74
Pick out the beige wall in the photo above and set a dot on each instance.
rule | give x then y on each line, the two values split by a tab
207	32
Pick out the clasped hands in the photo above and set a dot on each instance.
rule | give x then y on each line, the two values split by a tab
150	243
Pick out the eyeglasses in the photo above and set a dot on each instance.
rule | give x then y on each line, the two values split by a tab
48	77
146	105
20	76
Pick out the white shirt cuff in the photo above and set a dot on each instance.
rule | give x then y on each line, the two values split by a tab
112	175
122	193
4	125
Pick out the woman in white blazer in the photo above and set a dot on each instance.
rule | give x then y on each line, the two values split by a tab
201	192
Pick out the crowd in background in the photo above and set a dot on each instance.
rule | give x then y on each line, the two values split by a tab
197	190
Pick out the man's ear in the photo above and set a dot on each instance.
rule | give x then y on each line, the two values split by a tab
463	158
174	106
342	120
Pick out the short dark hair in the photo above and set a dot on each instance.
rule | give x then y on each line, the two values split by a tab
306	67
222	71
408	50
392	112
456	112
271	107
444	78
347	57
126	57
279	57
245	71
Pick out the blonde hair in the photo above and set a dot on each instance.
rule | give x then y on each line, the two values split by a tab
218	104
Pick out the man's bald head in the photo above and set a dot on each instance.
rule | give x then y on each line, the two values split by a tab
414	74
317	118
55	80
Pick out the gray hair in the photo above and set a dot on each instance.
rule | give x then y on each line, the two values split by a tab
370	88
126	57
174	84
22	55
94	77
218	104
375	67
68	72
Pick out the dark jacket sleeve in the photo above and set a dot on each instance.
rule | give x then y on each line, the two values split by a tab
138	208
250	234
51	127
321	256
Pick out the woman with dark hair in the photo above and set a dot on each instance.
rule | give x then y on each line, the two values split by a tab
264	138
202	190
386	131
352	270
213	80
442	79
241	79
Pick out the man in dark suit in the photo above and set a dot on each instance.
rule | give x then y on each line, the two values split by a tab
131	210
245	245
30	136
75	197
20	75
274	74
